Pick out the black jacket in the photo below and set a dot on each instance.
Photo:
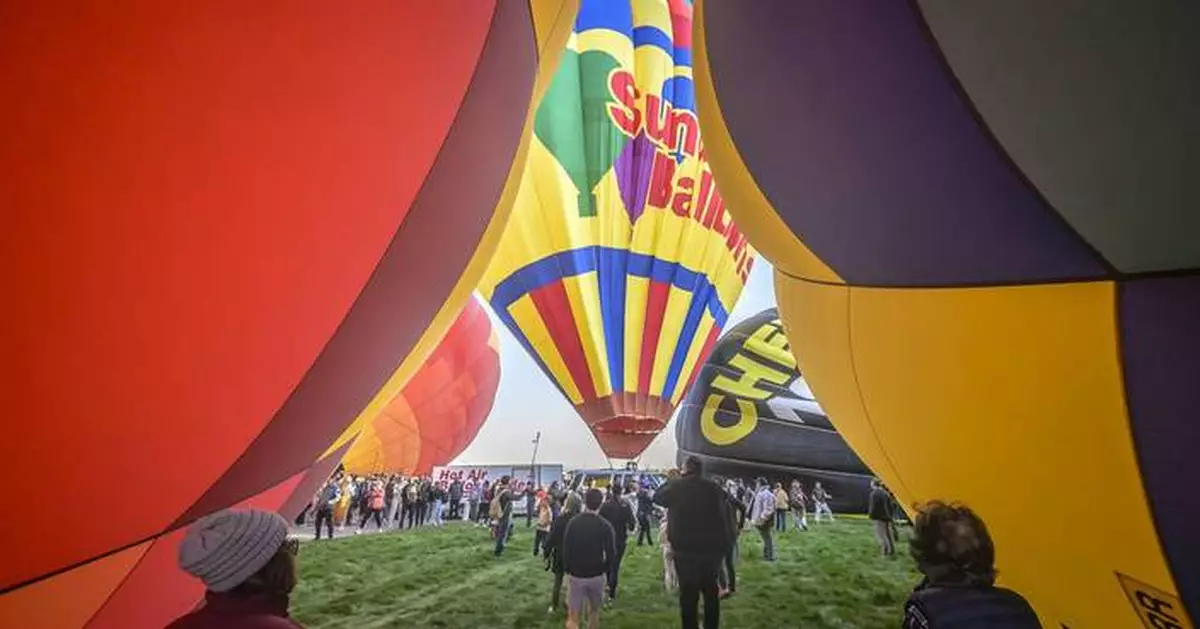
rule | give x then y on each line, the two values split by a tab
554	543
960	607
881	506
697	515
588	547
620	516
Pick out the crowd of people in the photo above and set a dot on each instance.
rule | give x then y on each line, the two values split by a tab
398	502
245	558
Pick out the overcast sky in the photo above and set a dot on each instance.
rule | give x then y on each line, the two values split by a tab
527	402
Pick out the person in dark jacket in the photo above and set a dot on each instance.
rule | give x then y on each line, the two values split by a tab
530	493
954	551
456	496
880	513
620	516
645	504
326	500
247	564
696	518
735	513
504	524
554	545
589	552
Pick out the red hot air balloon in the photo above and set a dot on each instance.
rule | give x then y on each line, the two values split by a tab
226	226
441	409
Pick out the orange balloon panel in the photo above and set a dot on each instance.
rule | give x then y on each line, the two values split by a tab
437	415
225	225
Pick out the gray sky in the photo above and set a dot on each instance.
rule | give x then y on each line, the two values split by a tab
528	402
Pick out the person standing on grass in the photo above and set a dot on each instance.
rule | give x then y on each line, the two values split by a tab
797	500
571	507
530	494
545	519
781	508
326	501
735	514
248	567
762	515
821	500
954	552
699	530
485	501
589	553
474	494
645	506
455	494
880	513
500	510
620	516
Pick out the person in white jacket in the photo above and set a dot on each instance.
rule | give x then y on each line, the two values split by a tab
762	515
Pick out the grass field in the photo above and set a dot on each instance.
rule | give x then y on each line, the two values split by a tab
830	577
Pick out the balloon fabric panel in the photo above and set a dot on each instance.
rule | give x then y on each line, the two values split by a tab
620	263
1018	281
207	282
441	408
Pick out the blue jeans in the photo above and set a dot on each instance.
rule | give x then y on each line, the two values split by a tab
503	531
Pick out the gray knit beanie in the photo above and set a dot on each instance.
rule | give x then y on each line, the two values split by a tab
228	547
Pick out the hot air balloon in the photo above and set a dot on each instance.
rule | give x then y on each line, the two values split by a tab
441	408
750	414
983	219
620	264
226	226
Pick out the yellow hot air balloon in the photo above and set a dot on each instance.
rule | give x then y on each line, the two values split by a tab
620	264
984	217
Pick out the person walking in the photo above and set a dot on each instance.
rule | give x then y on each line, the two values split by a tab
326	501
372	507
880	513
500	511
486	493
699	530
781	508
589	552
797	501
439	505
645	506
391	495
618	513
248	567
554	544
821	500
763	517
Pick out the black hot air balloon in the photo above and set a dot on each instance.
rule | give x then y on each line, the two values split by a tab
750	413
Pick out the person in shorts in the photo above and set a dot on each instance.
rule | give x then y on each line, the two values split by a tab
588	553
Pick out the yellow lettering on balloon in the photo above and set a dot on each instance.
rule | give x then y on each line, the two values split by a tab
752	373
719	435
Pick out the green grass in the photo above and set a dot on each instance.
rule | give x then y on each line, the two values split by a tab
830	577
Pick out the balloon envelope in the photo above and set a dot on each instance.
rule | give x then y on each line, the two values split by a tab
620	264
257	196
984	235
441	409
750	414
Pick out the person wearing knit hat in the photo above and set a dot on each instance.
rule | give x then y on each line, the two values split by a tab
247	563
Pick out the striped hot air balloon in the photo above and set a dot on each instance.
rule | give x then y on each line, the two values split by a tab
620	264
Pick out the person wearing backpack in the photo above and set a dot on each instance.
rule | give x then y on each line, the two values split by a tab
619	514
954	551
500	511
